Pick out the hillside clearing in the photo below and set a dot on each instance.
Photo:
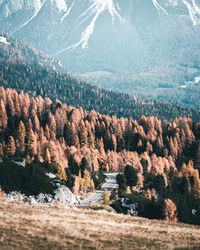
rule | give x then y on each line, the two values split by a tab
35	227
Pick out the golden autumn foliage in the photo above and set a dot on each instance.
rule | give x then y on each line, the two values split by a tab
196	185
3	116
86	182
170	211
38	129
147	194
106	197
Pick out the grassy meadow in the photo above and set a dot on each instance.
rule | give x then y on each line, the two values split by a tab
35	227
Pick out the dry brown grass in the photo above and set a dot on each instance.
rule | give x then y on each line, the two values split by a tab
33	227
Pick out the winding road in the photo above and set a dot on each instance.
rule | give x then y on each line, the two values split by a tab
110	185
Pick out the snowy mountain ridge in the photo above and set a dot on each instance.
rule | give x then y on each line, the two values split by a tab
96	7
14	6
123	38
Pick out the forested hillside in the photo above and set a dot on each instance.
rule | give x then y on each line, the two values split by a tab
38	80
13	49
157	158
25	68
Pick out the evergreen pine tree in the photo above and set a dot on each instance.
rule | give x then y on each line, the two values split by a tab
130	175
32	143
83	166
159	183
3	117
10	149
47	156
83	135
21	134
73	166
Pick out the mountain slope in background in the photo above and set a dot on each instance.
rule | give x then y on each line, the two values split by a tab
138	43
38	80
13	49
25	68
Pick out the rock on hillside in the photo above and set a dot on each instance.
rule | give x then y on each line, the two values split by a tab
62	195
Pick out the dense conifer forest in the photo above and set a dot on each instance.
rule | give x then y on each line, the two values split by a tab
38	80
157	161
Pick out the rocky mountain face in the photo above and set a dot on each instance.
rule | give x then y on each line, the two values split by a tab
115	40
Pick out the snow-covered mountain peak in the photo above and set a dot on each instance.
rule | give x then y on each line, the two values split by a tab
93	12
61	4
37	4
120	35
98	6
93	8
15	5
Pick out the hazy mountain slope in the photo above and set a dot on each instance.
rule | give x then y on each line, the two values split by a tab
146	42
13	75
13	49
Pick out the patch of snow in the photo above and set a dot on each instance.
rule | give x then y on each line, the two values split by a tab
50	175
194	211
62	6
19	163
67	12
172	3
194	11
60	64
159	7
4	40
183	86
197	79
196	7
7	11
